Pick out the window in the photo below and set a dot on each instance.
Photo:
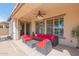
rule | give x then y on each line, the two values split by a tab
49	26
55	26
40	26
58	26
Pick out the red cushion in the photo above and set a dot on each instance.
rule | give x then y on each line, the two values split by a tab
42	43
35	36
44	36
25	37
38	36
53	37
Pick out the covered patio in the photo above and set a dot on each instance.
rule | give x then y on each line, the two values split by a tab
55	19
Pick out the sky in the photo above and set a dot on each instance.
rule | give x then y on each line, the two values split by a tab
5	10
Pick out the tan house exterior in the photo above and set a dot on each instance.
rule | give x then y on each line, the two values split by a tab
26	14
4	28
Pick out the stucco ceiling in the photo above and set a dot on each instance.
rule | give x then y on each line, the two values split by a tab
28	11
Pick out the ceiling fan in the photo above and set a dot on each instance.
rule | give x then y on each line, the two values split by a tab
40	13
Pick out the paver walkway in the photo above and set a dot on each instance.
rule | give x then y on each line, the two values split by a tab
7	48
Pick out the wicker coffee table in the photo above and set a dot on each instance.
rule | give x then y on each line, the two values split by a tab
32	43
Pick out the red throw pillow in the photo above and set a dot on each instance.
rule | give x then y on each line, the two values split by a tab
25	37
42	43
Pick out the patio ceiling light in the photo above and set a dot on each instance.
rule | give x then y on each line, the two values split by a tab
40	14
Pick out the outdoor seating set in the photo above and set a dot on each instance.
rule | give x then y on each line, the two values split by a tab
43	42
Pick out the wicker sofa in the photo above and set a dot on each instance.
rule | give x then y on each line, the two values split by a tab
41	37
42	42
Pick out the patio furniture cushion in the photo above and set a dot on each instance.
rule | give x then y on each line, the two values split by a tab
44	36
42	43
31	43
26	38
41	37
51	37
44	47
38	36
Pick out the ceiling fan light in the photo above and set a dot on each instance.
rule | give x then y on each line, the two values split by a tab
39	17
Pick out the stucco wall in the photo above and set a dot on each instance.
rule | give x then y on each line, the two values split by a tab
4	31
71	19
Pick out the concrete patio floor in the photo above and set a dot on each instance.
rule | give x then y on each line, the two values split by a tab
62	50
59	50
18	48
7	48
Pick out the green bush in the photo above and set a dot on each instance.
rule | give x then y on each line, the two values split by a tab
75	32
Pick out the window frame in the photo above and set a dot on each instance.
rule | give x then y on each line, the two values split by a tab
54	27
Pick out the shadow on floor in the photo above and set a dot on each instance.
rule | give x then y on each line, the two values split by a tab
70	50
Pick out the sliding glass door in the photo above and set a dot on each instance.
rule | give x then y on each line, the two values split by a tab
40	27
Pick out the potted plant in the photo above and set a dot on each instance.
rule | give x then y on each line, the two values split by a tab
75	33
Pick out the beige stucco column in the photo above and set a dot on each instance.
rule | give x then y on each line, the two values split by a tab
45	26
32	27
13	29
25	28
17	29
10	28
